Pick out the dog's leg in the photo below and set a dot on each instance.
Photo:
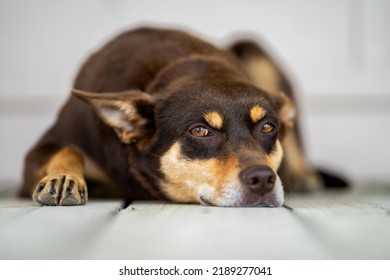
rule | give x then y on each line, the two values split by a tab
63	182
298	174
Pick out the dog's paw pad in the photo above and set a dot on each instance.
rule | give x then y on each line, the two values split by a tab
61	189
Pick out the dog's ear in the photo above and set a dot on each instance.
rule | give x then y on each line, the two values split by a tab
130	113
285	108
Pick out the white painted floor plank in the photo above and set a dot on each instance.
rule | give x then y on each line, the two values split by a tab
171	231
338	225
347	225
29	231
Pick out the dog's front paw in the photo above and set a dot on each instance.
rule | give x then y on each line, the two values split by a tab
61	189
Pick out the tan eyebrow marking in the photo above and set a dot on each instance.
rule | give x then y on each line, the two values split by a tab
214	119
257	113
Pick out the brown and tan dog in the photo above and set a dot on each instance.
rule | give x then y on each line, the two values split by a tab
159	114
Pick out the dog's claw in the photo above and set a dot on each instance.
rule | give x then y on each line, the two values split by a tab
40	187
53	186
61	189
68	190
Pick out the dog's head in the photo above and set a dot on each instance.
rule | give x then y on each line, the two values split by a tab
218	143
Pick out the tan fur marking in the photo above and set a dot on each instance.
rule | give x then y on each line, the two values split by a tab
275	158
94	172
297	164
214	120
66	160
257	113
187	179
296	161
38	175
264	74
288	112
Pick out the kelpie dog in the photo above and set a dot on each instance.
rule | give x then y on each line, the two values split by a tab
160	114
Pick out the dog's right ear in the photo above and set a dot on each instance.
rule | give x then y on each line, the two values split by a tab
130	113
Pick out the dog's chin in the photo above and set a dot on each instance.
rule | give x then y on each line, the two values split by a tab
260	203
238	197
272	199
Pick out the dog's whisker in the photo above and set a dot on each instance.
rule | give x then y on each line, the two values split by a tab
287	207
151	154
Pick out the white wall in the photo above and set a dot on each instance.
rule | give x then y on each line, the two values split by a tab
338	51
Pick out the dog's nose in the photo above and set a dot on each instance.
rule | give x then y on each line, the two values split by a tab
259	179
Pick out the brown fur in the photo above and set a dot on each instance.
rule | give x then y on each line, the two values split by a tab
134	104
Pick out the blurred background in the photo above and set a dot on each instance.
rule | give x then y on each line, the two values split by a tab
337	52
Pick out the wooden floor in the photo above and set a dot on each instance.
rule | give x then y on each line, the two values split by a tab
330	225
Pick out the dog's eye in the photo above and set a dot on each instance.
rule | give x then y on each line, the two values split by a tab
200	131
267	128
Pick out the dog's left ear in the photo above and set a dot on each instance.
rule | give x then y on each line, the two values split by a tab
129	113
285	108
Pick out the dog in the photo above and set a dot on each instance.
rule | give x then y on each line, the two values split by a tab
160	114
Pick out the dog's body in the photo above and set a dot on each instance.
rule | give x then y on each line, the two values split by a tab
159	114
